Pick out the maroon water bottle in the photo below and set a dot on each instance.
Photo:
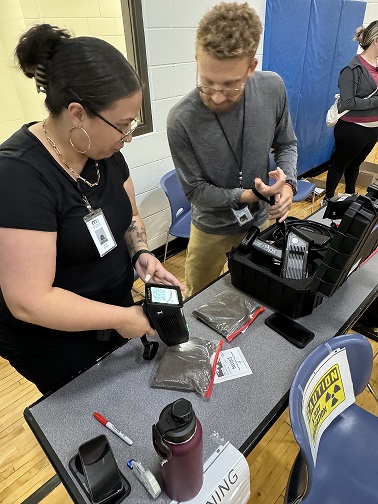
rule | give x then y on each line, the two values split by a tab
177	438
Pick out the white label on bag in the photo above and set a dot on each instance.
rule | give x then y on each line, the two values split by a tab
231	364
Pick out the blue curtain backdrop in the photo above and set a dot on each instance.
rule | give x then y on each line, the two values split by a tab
308	42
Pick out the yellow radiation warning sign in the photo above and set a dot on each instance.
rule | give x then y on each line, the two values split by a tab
326	395
328	392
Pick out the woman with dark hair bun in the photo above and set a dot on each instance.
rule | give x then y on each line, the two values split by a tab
356	132
70	232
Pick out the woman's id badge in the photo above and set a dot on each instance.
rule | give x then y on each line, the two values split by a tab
100	231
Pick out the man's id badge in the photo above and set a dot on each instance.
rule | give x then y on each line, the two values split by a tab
243	215
100	231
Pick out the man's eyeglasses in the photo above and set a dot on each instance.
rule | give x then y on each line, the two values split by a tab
228	92
133	125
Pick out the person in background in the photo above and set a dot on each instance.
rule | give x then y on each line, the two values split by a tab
356	132
66	292
221	135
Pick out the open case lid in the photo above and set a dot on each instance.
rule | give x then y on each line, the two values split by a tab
354	240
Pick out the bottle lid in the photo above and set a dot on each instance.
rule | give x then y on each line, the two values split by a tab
177	422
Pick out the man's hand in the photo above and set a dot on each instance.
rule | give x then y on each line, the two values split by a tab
266	190
276	188
283	200
283	195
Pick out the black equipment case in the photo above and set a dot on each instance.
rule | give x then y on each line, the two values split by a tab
257	271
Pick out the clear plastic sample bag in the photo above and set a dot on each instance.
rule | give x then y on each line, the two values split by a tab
229	313
189	366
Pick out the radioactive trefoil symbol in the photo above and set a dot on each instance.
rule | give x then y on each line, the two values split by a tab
332	395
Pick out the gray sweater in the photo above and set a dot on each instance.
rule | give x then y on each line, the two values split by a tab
355	84
205	163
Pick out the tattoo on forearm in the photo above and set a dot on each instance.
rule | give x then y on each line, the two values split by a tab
136	236
141	235
132	226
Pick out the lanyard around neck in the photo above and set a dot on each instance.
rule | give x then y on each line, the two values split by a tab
239	164
84	197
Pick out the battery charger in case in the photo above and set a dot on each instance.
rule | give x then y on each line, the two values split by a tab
294	264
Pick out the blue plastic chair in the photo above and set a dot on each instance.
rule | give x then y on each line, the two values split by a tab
347	460
305	188
181	215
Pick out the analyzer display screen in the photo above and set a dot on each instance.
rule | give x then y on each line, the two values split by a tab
164	295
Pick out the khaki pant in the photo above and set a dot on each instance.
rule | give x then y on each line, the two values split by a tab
206	257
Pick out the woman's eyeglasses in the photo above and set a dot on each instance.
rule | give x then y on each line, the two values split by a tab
133	125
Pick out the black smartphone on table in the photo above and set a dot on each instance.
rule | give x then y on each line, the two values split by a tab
100	476
292	331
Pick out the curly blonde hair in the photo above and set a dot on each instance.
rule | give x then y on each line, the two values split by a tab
365	36
229	30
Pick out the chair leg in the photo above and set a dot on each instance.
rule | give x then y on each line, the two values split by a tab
297	484
372	391
166	248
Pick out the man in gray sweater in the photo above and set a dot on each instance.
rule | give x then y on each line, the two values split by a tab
221	135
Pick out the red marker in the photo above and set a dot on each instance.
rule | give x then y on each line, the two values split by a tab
111	427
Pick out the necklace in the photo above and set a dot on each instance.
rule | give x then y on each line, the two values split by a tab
77	175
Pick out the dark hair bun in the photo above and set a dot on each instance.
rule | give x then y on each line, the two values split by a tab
37	46
66	67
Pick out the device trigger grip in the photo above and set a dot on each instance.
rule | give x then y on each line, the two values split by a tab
150	348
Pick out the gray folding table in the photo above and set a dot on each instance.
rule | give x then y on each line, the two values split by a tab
240	410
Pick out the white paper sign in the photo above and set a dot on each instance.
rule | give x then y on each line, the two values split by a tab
226	478
328	392
231	365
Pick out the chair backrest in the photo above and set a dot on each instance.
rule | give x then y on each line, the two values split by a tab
175	194
360	358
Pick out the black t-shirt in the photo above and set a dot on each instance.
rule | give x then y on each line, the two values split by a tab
37	193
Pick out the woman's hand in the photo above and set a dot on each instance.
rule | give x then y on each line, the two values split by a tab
136	324
150	269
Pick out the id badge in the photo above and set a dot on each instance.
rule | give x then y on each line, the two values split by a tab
243	215
100	231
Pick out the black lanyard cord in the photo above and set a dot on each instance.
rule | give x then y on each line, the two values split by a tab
84	197
239	164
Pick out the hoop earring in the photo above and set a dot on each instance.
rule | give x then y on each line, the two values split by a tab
72	144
